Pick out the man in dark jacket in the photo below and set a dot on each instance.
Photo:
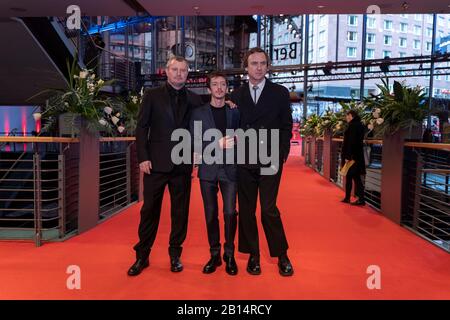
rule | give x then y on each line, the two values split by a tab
264	107
219	171
163	110
353	149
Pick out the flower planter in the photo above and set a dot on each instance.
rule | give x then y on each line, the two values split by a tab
88	203
392	172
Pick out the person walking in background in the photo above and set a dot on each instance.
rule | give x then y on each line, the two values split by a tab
353	149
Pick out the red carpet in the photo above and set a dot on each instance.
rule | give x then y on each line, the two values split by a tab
331	246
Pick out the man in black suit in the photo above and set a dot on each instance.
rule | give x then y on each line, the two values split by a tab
263	105
353	149
163	110
219	171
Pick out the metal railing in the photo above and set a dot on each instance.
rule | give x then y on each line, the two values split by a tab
336	149
307	151
372	180
426	192
117	180
39	188
319	156
33	191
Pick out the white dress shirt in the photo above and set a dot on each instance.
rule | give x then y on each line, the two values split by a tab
258	90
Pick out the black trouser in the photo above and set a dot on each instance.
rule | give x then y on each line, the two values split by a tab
209	190
353	175
249	182
180	190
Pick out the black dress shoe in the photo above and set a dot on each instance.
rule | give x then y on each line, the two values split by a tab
253	266
212	264
176	265
359	203
285	266
137	267
230	265
345	200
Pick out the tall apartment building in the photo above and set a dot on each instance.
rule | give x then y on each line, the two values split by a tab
339	38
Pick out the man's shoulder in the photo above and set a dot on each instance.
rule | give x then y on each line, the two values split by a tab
155	90
277	87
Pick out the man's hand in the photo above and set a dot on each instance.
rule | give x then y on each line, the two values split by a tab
145	166
231	104
226	142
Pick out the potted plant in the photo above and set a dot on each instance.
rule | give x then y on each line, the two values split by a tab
399	112
82	105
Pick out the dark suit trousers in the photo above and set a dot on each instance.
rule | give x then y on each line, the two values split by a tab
179	189
249	182
209	191
353	175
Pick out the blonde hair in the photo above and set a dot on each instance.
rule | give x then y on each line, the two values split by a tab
177	58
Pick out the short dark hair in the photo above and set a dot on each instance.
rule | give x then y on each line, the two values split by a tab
252	51
354	114
215	74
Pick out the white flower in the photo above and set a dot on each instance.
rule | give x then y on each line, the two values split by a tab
121	129
102	122
380	120
114	119
93	76
370	126
134	99
100	82
83	74
376	115
66	104
108	110
327	121
37	116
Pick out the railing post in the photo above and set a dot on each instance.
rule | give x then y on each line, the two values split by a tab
417	191
312	153
327	155
129	172
37	199
62	195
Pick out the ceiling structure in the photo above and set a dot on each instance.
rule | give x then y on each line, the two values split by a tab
13	8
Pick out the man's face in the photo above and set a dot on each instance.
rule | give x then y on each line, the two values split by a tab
218	87
257	66
177	73
348	117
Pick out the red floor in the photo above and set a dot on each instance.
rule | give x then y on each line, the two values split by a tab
331	246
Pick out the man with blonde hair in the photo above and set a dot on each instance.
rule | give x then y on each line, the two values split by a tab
163	110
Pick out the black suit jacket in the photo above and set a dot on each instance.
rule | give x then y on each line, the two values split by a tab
273	111
204	114
155	125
